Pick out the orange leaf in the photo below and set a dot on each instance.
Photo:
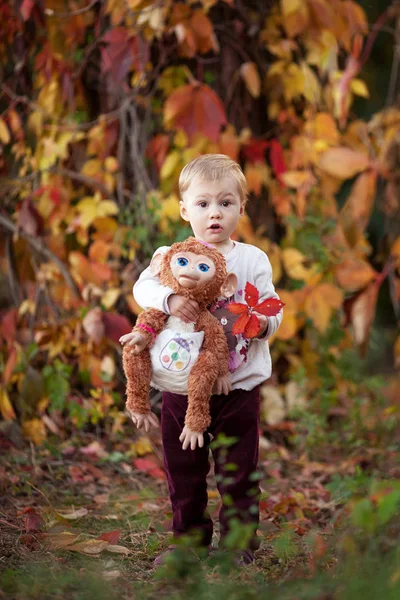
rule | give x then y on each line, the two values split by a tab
251	294
343	163
269	307
111	537
360	312
237	308
240	324
195	108
250	76
252	328
354	273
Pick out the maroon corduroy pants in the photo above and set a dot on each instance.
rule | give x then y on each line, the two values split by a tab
234	415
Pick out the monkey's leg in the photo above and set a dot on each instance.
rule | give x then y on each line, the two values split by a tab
200	385
137	370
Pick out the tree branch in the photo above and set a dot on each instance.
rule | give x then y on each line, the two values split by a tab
40	248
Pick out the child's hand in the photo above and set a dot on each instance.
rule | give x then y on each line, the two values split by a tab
263	323
183	308
191	438
222	385
134	339
147	420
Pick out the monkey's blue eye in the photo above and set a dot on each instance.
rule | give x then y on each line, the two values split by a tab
182	262
203	267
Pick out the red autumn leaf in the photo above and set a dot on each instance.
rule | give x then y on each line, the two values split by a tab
26	9
270	307
251	295
237	308
111	537
115	326
32	520
196	108
252	327
240	324
276	158
157	149
254	150
150	467
8	325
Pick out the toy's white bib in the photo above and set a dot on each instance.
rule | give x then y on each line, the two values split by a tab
172	357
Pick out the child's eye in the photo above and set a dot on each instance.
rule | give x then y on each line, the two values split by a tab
226	203
203	267
182	262
202	204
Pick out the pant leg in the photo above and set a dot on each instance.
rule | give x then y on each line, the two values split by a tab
237	415
186	472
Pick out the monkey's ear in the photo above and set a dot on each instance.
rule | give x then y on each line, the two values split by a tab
155	265
229	286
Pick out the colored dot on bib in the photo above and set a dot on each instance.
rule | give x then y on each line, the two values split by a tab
165	358
179	365
172	346
174	355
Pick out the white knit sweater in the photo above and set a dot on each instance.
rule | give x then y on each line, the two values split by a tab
250	360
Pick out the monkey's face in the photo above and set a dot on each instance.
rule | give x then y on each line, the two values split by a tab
192	270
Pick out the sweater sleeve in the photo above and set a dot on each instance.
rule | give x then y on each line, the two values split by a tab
149	292
266	289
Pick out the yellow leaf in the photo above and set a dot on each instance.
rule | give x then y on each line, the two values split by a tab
92	167
34	430
256	175
142	446
110	297
181	139
342	162
106	208
293	261
312	88
295	179
250	76
4	132
295	15
6	408
317	309
359	88
111	164
170	164
332	294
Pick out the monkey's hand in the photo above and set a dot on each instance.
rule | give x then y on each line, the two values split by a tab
147	420
183	308
136	340
191	438
222	385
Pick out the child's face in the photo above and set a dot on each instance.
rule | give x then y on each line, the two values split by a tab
213	209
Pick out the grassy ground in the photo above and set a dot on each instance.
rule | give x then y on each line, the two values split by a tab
84	518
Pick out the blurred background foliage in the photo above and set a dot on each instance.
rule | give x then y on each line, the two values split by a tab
101	105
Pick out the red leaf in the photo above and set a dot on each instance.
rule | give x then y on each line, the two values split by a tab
252	328
115	326
32	520
26	9
196	108
276	158
8	325
251	294
254	150
269	307
149	466
238	308
111	537
240	324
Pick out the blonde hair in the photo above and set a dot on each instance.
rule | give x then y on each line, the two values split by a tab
211	167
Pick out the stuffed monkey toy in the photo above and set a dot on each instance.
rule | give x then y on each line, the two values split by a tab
179	357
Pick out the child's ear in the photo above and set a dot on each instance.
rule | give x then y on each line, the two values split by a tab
155	265
229	286
183	211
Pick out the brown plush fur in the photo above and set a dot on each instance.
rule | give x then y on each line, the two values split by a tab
213	358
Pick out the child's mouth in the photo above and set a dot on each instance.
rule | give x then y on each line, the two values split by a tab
215	227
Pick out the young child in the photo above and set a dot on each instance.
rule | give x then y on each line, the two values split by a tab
213	197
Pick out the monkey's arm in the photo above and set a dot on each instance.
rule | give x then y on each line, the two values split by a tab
212	362
137	367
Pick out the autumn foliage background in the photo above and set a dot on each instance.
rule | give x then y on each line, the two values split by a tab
102	105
